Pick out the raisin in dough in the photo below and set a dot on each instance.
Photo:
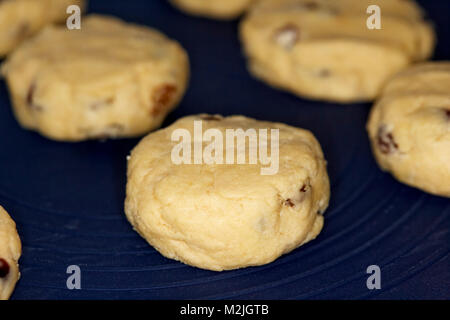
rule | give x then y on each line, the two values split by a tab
227	216
20	19
322	49
110	79
409	127
219	9
10	250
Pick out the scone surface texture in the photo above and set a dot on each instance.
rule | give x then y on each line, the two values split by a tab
323	49
409	127
227	216
218	9
110	79
20	19
10	251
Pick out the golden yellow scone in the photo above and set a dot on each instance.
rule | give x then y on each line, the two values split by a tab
10	250
227	216
323	49
20	19
219	9
110	79
409	127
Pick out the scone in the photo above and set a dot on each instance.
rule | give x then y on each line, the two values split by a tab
20	19
323	49
110	79
409	127
219	9
10	250
221	214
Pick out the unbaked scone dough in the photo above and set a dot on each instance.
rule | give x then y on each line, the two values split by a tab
227	216
20	19
110	79
409	127
10	250
219	9
322	49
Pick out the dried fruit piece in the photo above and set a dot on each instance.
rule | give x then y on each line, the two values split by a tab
4	268
30	98
386	141
22	30
287	36
162	97
311	5
324	73
447	113
30	94
298	198
289	203
303	191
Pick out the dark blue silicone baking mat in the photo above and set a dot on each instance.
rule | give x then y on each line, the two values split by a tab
67	199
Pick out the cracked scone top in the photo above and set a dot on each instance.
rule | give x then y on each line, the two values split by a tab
20	19
409	127
227	216
219	9
110	79
10	250
322	49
